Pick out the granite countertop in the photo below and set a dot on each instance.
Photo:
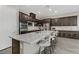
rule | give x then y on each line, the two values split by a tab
32	38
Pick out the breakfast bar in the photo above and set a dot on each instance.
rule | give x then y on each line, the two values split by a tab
28	41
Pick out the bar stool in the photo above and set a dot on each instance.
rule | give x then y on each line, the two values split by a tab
53	36
53	40
44	44
52	44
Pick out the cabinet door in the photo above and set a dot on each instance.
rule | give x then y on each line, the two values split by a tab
53	22
58	22
73	20
15	46
65	21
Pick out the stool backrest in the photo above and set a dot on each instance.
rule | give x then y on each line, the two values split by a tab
54	33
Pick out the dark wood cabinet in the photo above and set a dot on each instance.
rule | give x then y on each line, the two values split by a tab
65	21
15	46
23	17
26	20
33	15
69	34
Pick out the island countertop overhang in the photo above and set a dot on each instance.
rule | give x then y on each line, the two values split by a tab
31	38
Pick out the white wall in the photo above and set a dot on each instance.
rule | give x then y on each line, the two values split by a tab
73	28
8	25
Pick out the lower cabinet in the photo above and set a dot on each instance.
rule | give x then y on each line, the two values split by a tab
15	46
69	34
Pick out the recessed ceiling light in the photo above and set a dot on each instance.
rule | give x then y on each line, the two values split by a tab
55	11
39	12
50	9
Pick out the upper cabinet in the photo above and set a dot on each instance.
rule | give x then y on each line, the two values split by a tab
23	17
33	15
27	23
64	21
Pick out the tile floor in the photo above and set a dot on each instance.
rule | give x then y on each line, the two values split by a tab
67	46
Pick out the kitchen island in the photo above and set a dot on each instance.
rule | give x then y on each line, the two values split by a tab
28	41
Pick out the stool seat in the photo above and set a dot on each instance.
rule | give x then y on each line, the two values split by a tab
46	43
42	44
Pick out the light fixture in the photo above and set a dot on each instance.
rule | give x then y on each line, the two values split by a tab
55	11
50	9
39	12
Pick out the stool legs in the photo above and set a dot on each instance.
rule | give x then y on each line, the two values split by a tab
50	49
39	50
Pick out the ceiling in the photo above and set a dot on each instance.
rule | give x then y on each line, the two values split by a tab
45	11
